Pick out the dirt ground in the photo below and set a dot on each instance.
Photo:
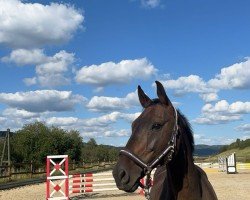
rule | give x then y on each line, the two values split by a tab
231	186
227	187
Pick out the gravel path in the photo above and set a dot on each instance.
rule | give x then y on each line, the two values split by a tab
227	187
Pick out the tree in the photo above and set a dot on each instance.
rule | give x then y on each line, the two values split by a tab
35	141
92	143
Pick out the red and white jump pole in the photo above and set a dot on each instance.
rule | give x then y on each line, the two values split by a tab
89	182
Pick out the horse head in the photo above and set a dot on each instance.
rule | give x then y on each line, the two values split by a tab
152	141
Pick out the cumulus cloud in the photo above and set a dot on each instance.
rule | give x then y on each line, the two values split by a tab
13	123
202	139
29	25
15	118
51	71
62	121
213	119
95	127
233	77
30	81
209	97
102	126
187	84
115	73
42	100
151	3
3	120
19	113
245	128
223	112
117	133
224	107
106	104
23	57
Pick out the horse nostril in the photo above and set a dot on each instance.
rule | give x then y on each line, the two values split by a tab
123	176
122	173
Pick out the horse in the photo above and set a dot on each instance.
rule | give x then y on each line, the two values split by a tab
161	138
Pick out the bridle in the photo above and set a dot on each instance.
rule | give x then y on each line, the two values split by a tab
148	167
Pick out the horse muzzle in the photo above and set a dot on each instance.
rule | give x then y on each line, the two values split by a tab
125	180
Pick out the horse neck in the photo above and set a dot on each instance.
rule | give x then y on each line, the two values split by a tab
181	168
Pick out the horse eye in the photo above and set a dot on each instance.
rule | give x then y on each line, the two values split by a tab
156	126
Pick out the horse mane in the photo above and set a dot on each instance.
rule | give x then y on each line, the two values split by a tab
187	129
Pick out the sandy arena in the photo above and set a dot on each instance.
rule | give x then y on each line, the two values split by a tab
227	187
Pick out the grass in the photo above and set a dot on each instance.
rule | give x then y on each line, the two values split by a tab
242	155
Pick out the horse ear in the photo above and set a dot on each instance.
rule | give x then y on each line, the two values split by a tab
144	99
162	94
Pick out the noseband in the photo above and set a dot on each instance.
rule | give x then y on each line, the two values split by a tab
147	168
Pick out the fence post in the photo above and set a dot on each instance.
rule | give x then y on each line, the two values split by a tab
74	167
9	171
31	168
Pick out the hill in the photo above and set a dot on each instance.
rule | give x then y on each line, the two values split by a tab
203	150
242	155
200	150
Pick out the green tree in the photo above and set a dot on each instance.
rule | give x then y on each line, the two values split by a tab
35	141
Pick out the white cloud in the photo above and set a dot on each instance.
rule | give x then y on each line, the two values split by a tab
101	121
202	139
233	77
17	113
209	97
187	84
30	81
223	112
62	121
117	133
94	127
33	24
105	104
216	119
23	57
224	107
42	100
115	73
151	3
111	118
12	123
56	64
14	118
130	117
52	70
3	119
52	80
245	128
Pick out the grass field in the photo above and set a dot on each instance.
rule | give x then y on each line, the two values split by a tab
242	155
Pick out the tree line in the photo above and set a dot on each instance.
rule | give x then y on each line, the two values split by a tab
238	144
35	141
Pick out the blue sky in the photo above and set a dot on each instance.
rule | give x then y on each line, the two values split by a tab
77	64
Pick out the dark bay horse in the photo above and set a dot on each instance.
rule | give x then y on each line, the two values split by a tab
162	138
